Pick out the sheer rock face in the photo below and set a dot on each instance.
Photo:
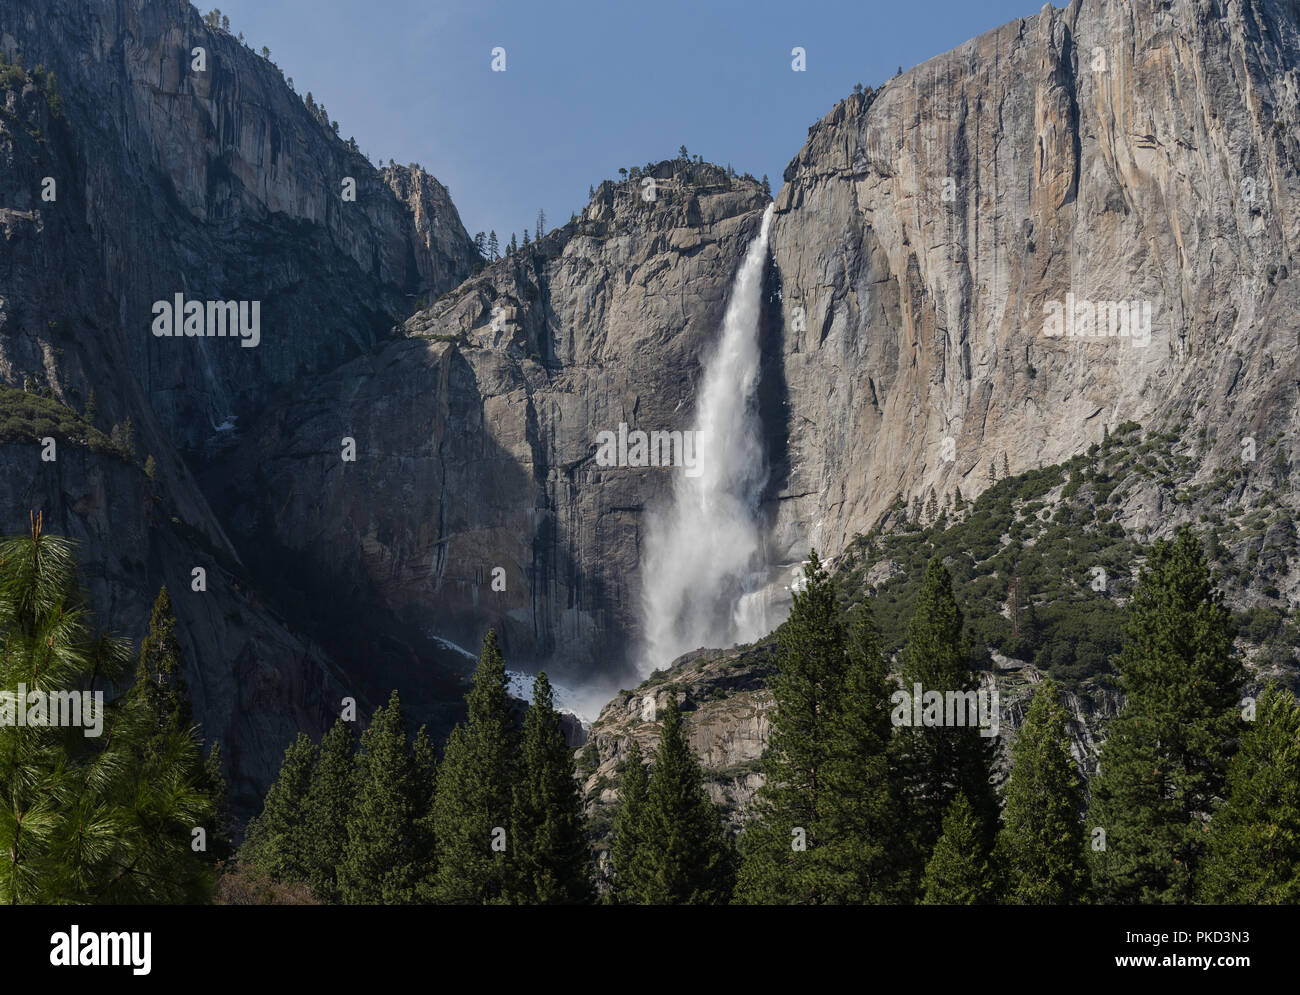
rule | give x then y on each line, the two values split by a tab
1116	151
220	185
476	436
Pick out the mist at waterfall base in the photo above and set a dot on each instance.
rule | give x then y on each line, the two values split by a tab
703	566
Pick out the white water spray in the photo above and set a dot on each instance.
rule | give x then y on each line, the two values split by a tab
703	563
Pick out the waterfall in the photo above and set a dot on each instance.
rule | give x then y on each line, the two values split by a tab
703	560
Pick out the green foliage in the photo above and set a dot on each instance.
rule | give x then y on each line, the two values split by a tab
386	854
629	853
472	803
958	872
1041	846
328	804
548	831
827	785
684	853
1254	849
938	763
276	840
1166	754
30	417
100	818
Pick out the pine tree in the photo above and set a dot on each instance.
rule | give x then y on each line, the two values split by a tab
1041	845
276	841
471	809
1254	846
159	685
480	243
687	852
1166	754
864	830
825	806
548	831
958	872
541	224
213	784
782	849
494	247
329	801
101	818
383	860
936	763
629	853
424	757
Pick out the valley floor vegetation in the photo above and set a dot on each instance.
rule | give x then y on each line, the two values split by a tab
1197	798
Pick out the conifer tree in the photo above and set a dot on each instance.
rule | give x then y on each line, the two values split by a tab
629	853
159	685
1254	846
687	850
548	830
783	849
936	763
85	818
863	824
276	841
162	696
471	809
958	872
213	784
329	801
1041	845
425	757
826	804
382	864
1166	754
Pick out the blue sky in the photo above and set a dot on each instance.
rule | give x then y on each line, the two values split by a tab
590	86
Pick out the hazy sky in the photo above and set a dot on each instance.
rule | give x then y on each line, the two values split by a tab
590	86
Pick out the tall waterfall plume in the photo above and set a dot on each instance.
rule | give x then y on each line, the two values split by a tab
703	561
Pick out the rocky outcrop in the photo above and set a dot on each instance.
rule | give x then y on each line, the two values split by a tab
726	709
724	702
